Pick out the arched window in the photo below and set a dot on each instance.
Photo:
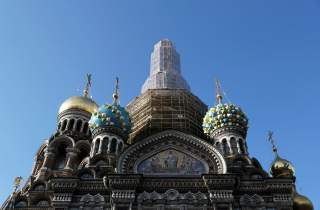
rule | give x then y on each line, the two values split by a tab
218	145
241	146
64	124
233	144
120	147
113	145
105	144
225	146
70	125
78	126
96	145
85	127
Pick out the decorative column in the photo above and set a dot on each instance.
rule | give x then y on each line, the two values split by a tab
48	162
220	189
72	155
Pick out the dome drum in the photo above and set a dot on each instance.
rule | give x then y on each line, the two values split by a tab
109	129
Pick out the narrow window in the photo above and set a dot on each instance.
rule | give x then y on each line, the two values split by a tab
78	126
70	125
64	124
85	127
225	146
113	145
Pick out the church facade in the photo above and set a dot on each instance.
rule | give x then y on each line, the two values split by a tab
165	150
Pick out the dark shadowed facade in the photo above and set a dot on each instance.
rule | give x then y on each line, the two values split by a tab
165	150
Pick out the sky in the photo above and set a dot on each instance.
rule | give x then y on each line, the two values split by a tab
265	53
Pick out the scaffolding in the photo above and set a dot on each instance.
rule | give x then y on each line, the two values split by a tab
163	109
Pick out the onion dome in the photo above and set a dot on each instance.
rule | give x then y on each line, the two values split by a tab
111	117
80	102
301	202
224	117
280	168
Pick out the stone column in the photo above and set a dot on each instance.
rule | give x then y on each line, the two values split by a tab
100	146
72	155
117	148
109	145
48	162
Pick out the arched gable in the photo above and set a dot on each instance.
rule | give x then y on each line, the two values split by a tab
174	147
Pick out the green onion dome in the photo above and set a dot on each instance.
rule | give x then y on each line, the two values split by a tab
225	117
111	117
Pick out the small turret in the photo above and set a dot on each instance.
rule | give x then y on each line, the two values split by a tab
75	112
226	125
110	127
280	168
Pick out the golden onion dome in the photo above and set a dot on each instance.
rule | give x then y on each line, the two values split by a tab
301	202
282	168
79	102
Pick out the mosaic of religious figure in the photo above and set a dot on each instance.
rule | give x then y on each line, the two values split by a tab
172	162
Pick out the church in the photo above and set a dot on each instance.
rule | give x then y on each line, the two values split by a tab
165	150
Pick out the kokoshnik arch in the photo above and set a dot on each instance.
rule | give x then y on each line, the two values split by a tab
165	150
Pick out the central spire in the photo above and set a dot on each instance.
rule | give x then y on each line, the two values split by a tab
165	70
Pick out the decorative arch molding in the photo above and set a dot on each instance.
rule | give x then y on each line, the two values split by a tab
68	141
83	144
186	143
39	158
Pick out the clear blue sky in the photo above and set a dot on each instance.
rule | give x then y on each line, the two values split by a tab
266	53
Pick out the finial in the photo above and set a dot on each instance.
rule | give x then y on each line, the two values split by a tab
270	138
218	92
115	95
17	182
88	85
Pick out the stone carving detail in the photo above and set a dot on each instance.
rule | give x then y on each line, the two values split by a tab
62	197
172	162
171	195
283	199
221	196
92	202
254	202
123	196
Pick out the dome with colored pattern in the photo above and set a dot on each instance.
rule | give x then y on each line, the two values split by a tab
225	116
111	115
